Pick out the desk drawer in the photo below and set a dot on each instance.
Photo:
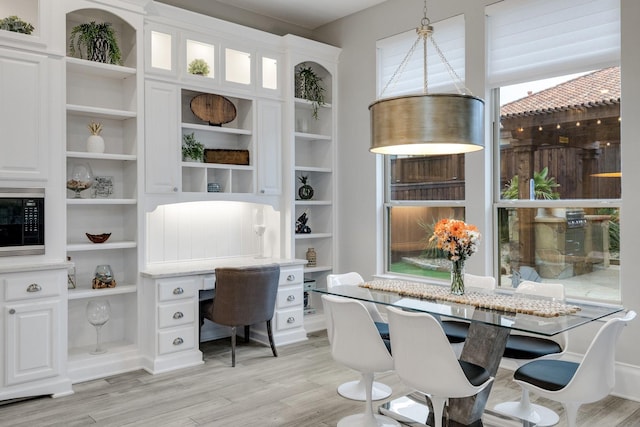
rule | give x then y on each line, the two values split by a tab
174	340
180	313
289	319
173	289
291	276
289	297
32	285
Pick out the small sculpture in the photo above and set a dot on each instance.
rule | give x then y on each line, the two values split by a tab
301	224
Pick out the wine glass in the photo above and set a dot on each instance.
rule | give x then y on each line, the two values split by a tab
260	229
98	312
79	179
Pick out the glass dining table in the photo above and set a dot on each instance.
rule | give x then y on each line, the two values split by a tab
492	315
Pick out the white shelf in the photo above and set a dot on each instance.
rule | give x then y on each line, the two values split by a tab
196	165
101	201
104	113
216	129
313	202
317	269
303	236
78	247
306	103
100	156
99	69
302	136
75	294
312	169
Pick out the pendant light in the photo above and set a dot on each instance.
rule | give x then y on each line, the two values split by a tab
427	124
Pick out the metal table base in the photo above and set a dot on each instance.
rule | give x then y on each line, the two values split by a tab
413	410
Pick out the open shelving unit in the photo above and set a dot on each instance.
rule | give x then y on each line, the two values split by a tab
108	94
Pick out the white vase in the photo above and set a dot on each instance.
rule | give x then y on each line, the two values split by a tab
95	144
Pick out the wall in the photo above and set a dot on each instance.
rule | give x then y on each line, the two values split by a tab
359	208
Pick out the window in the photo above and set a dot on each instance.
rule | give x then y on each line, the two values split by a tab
558	185
420	190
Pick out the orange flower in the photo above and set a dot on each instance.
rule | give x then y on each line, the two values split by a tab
458	239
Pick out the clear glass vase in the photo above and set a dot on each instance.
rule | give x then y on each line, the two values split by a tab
457	277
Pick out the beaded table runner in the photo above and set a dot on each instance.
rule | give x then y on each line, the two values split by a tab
504	302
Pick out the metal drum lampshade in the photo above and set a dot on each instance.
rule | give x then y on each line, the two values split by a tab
427	124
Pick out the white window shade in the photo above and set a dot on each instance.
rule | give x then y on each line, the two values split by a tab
536	39
448	34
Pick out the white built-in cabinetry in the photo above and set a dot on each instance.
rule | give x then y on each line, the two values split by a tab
33	327
312	153
49	99
111	95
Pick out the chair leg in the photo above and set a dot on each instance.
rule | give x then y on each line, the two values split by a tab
571	409
438	409
247	332
270	333
233	346
368	410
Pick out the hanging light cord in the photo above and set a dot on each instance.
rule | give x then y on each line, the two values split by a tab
425	32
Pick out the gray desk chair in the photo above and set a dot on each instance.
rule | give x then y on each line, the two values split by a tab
356	343
243	297
574	384
355	390
425	361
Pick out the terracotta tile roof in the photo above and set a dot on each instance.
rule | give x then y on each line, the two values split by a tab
597	88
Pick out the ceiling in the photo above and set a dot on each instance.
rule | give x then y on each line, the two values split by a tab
309	14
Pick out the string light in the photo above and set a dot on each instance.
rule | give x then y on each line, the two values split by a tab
578	124
558	126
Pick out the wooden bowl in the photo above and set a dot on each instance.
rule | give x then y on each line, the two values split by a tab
98	238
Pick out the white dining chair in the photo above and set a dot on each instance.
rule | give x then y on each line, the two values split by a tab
522	348
574	384
356	343
355	390
425	361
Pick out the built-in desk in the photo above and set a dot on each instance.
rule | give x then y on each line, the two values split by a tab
169	303
487	335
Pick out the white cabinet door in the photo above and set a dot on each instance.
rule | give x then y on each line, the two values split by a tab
269	147
32	341
23	119
162	140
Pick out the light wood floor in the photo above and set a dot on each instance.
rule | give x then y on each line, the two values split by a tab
297	389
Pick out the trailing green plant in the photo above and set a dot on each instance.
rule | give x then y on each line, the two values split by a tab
199	67
96	41
543	186
15	24
309	87
191	147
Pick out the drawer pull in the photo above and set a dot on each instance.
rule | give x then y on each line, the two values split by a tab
291	298
178	291
291	320
178	315
178	341
12	311
291	277
34	287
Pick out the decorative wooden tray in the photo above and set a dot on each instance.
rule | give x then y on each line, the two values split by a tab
229	157
214	109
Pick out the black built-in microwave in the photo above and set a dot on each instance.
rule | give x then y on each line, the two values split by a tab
21	221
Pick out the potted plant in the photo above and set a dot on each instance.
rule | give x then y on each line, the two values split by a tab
96	41
309	87
192	148
15	24
198	67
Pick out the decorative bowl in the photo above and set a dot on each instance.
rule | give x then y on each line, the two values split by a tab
98	238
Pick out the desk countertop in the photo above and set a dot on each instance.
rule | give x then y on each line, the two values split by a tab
208	266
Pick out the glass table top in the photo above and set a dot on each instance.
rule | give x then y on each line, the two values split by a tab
541	325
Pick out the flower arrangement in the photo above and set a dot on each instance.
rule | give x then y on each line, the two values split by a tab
459	241
457	238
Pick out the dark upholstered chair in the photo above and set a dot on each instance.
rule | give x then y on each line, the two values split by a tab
243	297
